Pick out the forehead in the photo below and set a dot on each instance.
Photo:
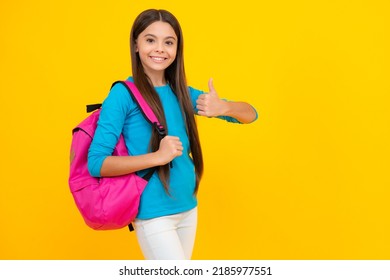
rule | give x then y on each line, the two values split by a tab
159	29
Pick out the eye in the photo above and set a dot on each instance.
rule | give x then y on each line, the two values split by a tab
169	43
149	40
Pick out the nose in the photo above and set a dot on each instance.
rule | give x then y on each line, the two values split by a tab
159	48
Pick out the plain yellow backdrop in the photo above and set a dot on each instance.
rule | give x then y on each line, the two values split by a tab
308	180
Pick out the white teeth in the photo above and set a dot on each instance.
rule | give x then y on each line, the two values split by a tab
158	58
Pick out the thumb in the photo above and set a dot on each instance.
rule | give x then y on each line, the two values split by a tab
211	87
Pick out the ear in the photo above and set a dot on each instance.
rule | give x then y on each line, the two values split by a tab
136	46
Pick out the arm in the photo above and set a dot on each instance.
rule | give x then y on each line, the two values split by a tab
111	121
170	147
210	105
121	165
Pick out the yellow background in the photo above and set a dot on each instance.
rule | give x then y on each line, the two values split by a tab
308	180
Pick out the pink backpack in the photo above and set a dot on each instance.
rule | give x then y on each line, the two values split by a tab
106	202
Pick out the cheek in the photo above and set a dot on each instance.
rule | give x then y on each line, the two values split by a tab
143	53
142	48
173	54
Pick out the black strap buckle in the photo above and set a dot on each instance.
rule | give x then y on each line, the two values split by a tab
160	129
93	107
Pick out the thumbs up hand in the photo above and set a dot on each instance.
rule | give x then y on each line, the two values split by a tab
209	104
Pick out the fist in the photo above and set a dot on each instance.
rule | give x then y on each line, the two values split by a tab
170	147
209	104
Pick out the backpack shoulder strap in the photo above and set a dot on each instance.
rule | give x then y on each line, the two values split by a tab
143	105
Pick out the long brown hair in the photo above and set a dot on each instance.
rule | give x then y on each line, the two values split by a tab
175	77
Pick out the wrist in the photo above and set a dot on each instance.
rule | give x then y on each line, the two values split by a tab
226	108
156	159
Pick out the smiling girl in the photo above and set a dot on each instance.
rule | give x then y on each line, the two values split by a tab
167	219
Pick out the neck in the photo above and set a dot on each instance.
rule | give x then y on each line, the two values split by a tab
157	79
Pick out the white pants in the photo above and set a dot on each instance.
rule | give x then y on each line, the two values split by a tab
169	237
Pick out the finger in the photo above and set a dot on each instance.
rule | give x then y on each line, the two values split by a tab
211	87
200	107
202	96
176	143
200	102
205	99
202	113
179	150
171	137
204	103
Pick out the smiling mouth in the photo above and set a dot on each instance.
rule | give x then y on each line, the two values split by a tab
158	59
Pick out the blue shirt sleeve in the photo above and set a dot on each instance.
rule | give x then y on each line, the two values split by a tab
109	128
194	94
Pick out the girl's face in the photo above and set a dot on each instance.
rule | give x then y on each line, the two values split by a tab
157	47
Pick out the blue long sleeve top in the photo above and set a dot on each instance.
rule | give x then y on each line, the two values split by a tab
120	114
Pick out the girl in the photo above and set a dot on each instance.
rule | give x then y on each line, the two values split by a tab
167	218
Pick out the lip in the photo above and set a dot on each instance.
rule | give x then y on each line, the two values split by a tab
158	59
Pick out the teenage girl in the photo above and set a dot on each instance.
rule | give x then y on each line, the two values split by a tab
167	218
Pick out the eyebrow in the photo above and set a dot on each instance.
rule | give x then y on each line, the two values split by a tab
154	36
